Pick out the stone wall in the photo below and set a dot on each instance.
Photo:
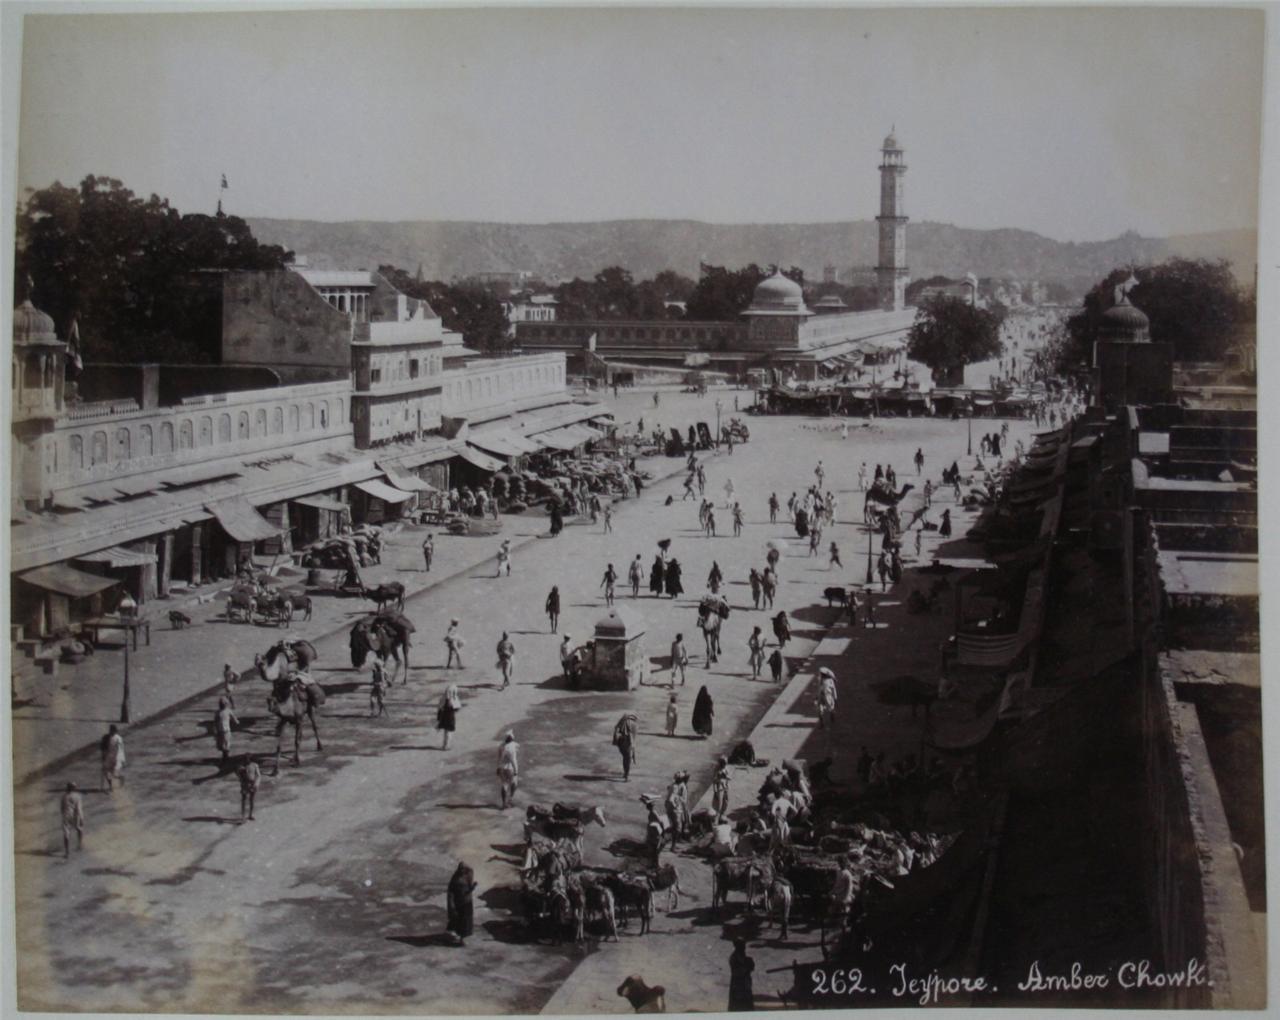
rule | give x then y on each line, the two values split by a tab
115	445
487	385
277	319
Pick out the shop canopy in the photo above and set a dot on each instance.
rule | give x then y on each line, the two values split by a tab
383	491
503	444
405	480
241	521
479	459
323	503
117	556
559	439
67	580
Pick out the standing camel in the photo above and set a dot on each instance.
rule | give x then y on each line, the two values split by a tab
385	635
293	699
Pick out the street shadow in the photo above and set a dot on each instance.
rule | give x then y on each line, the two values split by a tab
577	777
442	938
674	736
415	747
544	632
467	807
347	688
216	819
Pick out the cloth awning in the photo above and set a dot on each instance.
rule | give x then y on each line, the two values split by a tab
323	503
406	480
559	439
241	521
118	556
481	460
67	580
589	432
499	443
383	491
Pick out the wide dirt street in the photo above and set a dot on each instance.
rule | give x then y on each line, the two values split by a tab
333	900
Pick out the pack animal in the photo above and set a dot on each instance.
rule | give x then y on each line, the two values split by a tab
643	998
750	875
178	620
386	594
385	635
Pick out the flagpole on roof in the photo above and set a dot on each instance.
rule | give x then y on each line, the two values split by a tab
223	187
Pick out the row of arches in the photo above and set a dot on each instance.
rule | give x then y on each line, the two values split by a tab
505	382
102	446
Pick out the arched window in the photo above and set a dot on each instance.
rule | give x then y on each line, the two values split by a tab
224	428
242	425
99	453
206	431
166	437
277	421
324	414
294	417
146	444
184	434
123	445
309	416
260	422
77	453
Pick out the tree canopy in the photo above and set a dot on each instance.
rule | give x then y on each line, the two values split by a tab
127	269
950	333
614	294
469	308
1194	304
723	294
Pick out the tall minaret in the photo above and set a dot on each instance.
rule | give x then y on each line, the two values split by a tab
891	271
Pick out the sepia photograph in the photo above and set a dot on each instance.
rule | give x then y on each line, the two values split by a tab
604	510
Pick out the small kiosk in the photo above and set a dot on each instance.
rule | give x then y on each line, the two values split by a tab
616	660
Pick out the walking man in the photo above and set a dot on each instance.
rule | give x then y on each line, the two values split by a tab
453	641
250	775
509	769
679	659
608	518
378	688
773	508
112	759
754	579
776	664
229	680
737	519
688	488
504	558
428	551
506	653
756	644
635	575
223	720
882	568
834	561
919	460
553	608
826	698
72	809
607	583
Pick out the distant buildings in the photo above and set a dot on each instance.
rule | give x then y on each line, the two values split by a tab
777	331
337	397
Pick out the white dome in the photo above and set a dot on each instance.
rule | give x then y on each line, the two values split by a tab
778	294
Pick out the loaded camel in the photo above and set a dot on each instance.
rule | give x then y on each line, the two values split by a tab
884	495
385	635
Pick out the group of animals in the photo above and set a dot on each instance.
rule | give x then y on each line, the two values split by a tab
560	894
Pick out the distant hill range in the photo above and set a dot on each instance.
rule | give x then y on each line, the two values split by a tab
553	251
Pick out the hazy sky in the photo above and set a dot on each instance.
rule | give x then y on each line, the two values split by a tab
1076	123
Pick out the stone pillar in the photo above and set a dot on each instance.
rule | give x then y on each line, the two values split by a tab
149	572
197	553
164	552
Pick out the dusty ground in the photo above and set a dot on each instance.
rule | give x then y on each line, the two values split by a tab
333	900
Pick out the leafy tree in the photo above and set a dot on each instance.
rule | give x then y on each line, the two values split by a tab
129	270
949	333
723	294
467	307
915	287
1194	304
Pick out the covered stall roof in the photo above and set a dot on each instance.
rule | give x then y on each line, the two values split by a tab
480	460
405	481
241	521
323	503
559	439
499	442
67	580
381	490
117	556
